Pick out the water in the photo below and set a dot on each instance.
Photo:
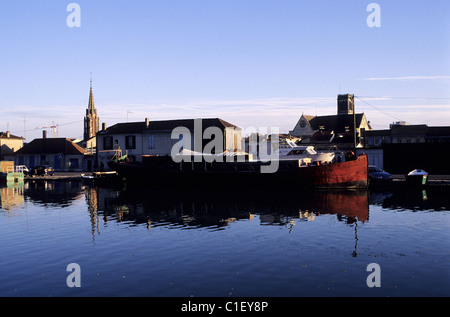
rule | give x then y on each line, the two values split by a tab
282	243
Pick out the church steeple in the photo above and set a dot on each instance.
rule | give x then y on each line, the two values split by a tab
91	99
91	120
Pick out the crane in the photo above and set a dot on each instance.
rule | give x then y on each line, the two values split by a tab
53	127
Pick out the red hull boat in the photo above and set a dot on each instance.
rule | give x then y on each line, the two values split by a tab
162	171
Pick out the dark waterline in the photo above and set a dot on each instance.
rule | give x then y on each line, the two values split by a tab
138	242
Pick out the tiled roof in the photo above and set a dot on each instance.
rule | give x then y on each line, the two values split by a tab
403	130
4	135
51	146
165	125
336	123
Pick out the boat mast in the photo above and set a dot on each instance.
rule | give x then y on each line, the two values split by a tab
354	126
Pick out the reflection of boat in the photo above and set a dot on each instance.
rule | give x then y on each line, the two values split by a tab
162	171
417	177
351	204
220	208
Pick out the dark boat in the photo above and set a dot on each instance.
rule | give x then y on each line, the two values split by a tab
417	177
162	171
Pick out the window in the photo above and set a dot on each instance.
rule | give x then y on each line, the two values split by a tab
151	141
130	142
107	143
73	163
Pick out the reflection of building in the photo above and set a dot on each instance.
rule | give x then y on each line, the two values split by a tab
51	193
11	196
92	201
216	210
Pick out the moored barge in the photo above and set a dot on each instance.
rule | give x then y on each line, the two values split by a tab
163	172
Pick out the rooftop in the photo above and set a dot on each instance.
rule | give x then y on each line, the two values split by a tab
336	123
51	146
7	135
165	125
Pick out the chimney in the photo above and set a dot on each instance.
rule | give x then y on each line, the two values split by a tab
103	126
147	122
8	135
44	134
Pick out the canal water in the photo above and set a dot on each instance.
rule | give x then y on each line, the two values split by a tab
276	243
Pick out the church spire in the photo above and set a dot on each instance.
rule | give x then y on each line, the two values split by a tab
91	120
91	98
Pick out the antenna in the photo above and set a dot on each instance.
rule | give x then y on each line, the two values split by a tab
128	113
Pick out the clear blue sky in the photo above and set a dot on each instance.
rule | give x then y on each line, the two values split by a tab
250	62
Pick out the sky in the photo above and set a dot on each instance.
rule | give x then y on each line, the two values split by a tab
253	63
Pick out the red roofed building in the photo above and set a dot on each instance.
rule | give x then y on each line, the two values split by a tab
59	153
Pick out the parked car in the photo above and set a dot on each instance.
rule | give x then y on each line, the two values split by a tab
376	174
22	169
42	170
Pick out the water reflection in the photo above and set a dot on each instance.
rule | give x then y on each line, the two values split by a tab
416	199
53	193
11	195
193	209
217	209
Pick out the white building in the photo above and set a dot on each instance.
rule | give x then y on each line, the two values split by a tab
155	138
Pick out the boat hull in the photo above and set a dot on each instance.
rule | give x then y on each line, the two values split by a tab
350	174
416	180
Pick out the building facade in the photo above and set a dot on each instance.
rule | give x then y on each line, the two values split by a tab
405	147
156	138
9	144
333	129
59	153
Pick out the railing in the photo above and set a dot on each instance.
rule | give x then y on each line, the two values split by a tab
20	169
